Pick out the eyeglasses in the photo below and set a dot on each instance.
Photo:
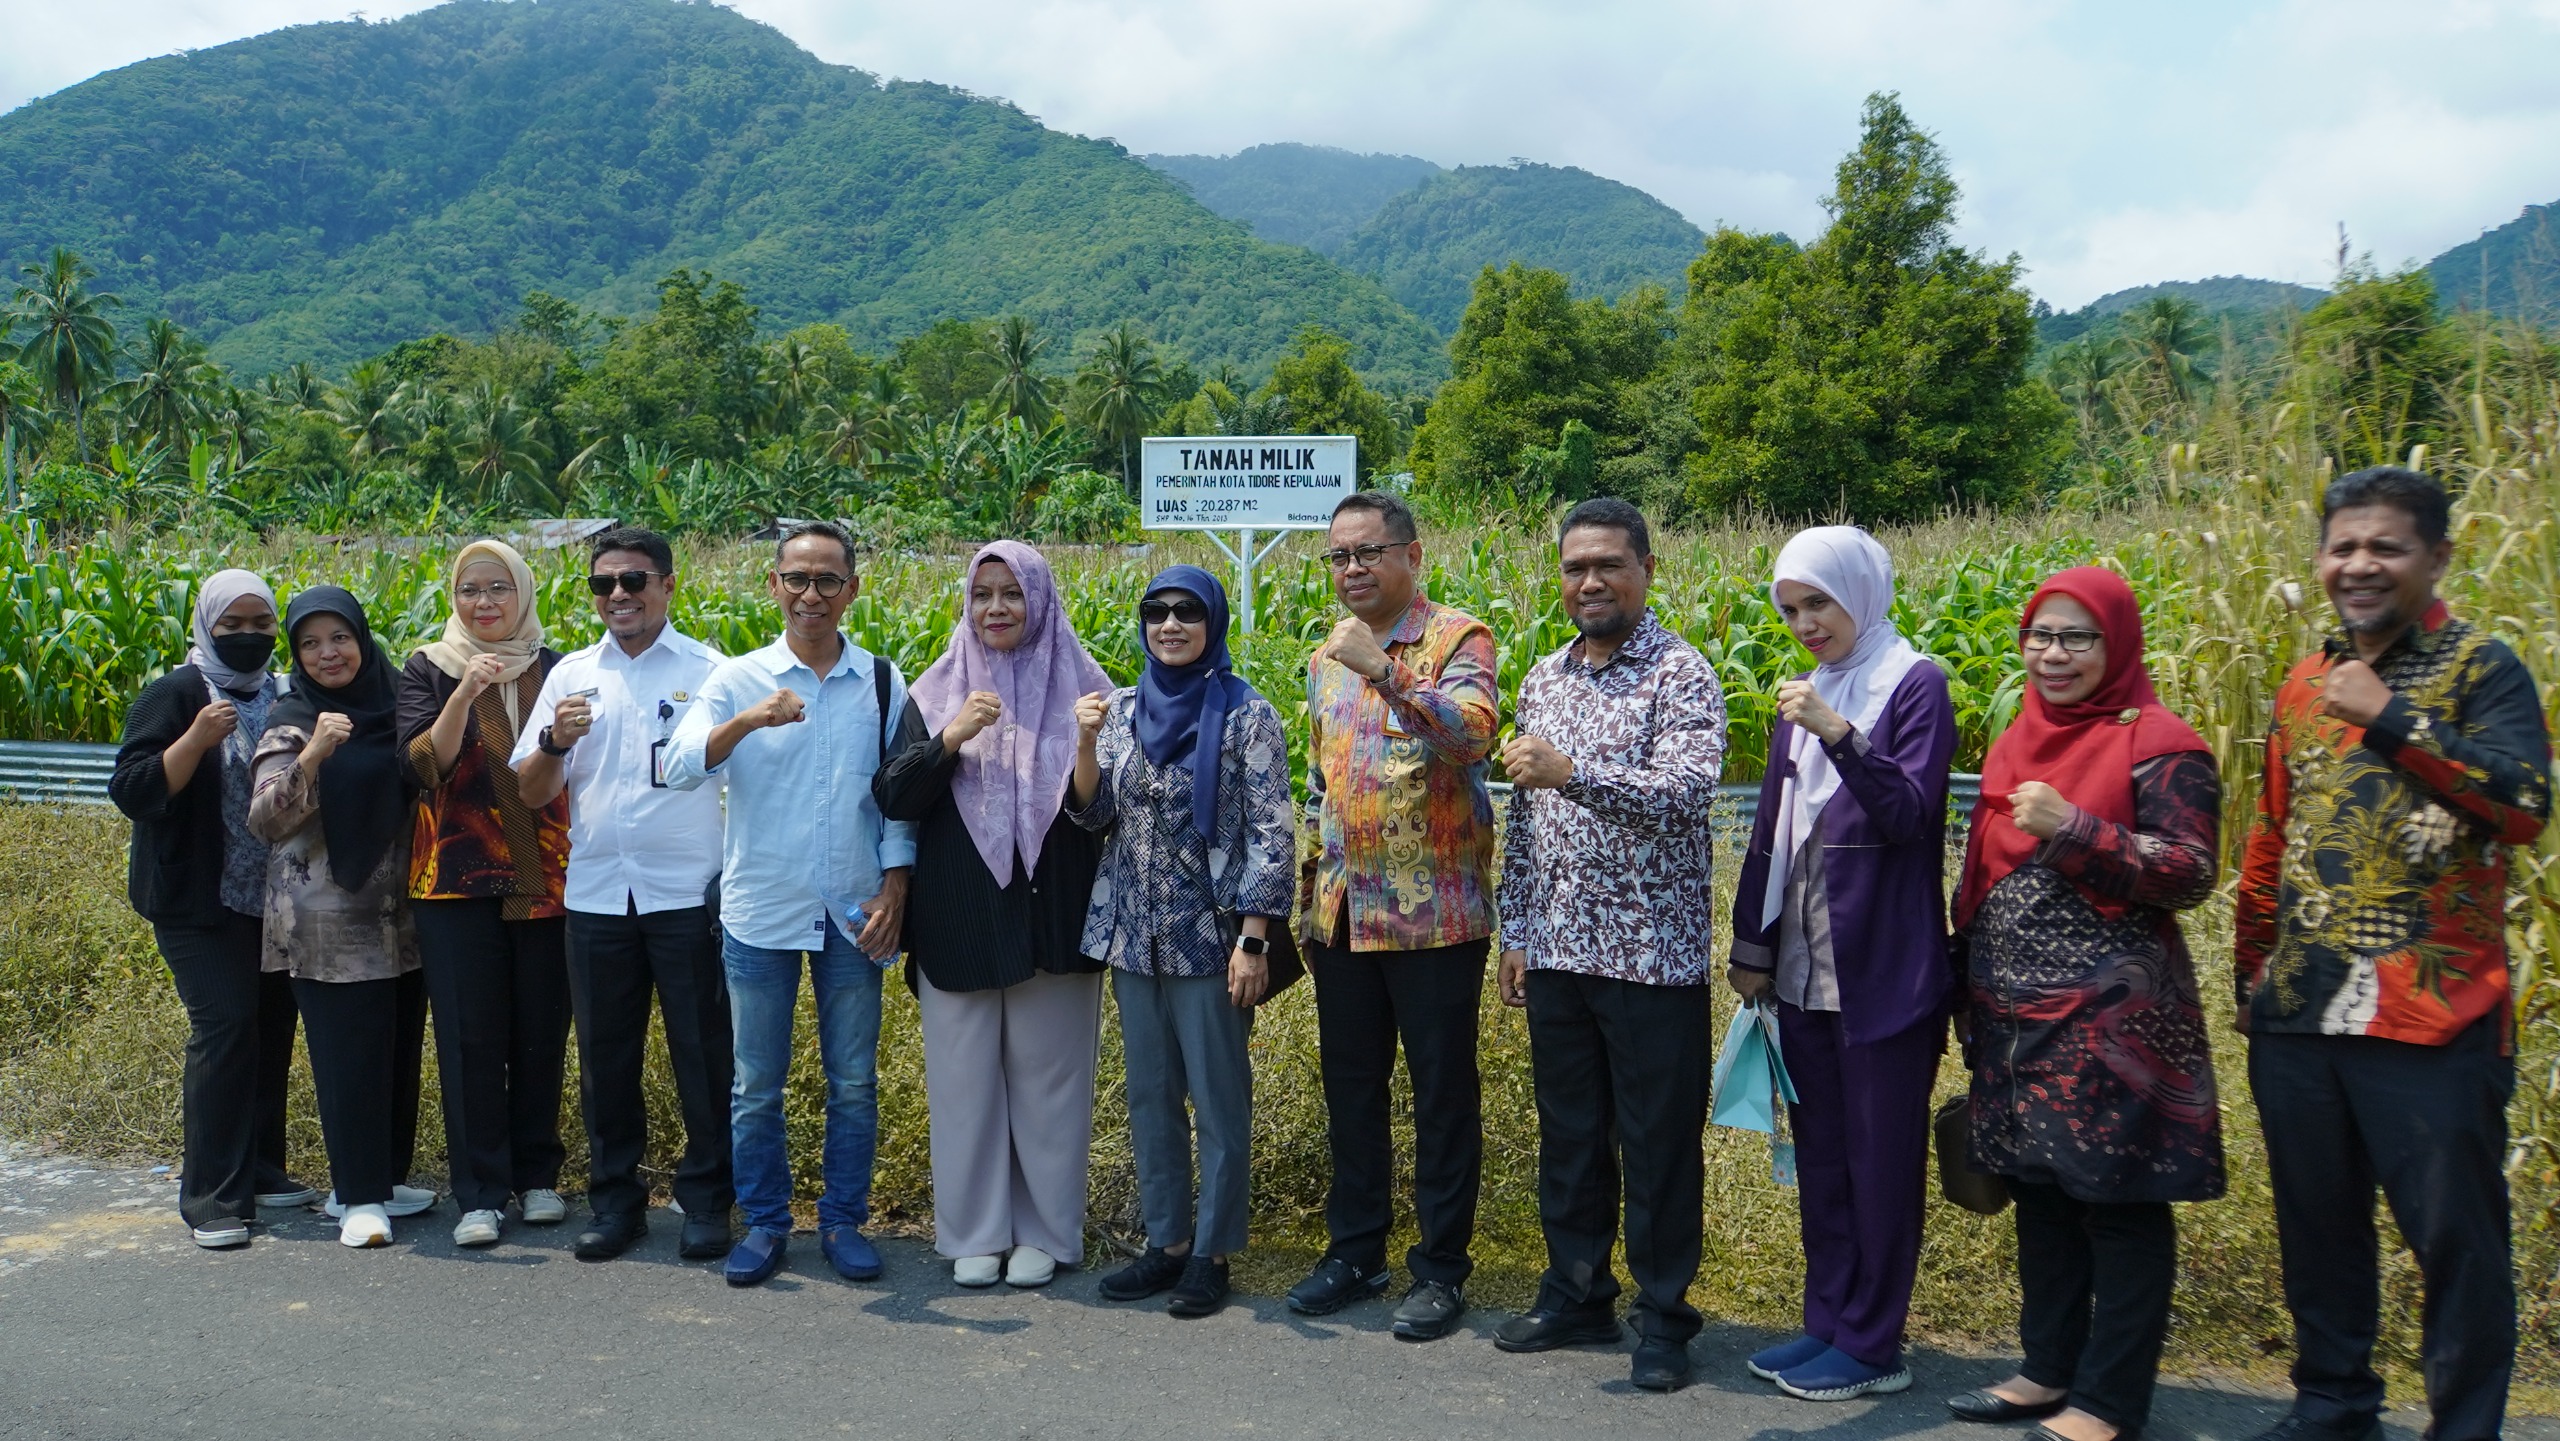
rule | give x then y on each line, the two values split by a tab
1186	610
1367	556
829	583
2075	642
632	582
500	591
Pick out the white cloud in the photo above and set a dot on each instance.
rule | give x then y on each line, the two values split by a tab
2109	145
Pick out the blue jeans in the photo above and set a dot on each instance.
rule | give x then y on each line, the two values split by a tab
764	991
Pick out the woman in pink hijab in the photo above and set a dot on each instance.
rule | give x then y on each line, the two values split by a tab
1012	1012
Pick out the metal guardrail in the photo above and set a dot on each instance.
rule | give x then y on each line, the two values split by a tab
71	773
56	772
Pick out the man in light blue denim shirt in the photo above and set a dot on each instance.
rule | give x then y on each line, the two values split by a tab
810	869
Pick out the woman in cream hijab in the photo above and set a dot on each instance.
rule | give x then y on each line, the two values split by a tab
1840	924
485	879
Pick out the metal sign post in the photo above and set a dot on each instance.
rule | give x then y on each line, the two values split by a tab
1246	484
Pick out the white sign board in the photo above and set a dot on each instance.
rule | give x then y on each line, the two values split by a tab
1246	482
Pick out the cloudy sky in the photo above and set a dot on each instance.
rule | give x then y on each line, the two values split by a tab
2108	144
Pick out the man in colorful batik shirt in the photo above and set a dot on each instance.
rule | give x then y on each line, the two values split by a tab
2408	757
1607	872
1396	899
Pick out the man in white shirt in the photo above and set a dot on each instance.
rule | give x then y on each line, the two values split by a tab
641	856
811	872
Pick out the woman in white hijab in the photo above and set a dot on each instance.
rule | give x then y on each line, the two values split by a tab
200	878
1840	923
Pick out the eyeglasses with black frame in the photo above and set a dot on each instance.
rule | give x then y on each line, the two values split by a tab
828	583
632	582
1185	610
2073	642
1367	556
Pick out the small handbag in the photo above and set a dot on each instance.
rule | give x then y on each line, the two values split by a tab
1980	1192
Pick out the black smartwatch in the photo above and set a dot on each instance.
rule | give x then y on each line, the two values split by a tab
1252	945
543	744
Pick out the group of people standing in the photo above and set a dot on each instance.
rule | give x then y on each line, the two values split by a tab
513	838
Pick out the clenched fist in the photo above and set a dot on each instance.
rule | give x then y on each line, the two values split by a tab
2039	809
327	734
478	674
1535	765
783	707
982	709
1356	646
1091	711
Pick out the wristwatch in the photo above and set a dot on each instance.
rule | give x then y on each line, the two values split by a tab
1252	945
543	743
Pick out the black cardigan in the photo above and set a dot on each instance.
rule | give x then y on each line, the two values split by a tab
174	876
965	931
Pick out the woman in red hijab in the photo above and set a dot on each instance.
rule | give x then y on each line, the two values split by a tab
2092	1085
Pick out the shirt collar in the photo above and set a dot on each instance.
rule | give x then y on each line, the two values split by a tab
611	651
783	659
1416	617
2421	638
1639	650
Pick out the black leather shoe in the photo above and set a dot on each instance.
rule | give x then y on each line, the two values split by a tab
611	1235
1987	1405
1143	1277
2296	1428
1547	1330
706	1238
1660	1366
1202	1291
1334	1284
1430	1310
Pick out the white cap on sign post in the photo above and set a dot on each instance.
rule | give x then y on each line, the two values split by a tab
1245	483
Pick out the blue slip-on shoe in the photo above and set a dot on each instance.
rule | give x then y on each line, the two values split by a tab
850	1252
1784	1356
755	1258
1835	1375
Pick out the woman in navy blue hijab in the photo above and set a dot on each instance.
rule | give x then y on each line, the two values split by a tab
1187	773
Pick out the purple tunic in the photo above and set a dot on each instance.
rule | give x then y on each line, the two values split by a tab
1884	838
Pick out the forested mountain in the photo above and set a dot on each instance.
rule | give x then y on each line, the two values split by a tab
1310	195
1428	244
320	193
2252	303
2512	270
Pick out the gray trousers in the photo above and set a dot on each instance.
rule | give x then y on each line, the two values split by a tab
1009	1076
1184	1040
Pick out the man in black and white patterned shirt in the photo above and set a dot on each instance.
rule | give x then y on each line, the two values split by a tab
1606	934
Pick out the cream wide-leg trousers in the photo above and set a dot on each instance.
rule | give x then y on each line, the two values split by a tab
1009	1077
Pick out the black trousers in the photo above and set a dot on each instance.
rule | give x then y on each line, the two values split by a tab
2095	1280
501	995
1365	1002
614	964
2429	1125
1620	1069
239	1054
368	1042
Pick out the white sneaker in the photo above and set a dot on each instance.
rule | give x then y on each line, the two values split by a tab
476	1228
222	1235
1029	1266
978	1270
405	1201
365	1227
542	1206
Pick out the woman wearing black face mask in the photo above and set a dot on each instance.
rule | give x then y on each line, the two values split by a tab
200	878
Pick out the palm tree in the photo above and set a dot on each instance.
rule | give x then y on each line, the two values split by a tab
72	350
2081	371
2164	336
494	440
1123	385
164	397
1020	390
367	411
793	374
868	425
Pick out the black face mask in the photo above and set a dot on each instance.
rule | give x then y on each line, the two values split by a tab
245	651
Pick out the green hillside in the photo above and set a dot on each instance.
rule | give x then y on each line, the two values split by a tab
1310	195
2248	303
1427	245
2512	270
322	192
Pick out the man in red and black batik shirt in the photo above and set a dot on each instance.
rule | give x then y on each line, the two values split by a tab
2407	758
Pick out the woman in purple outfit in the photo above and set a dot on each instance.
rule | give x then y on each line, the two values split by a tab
1840	922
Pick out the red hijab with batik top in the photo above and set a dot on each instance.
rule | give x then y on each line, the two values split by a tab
2087	749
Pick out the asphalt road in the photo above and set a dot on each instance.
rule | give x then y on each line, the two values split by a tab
113	1325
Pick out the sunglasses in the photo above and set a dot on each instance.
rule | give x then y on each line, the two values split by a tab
1186	610
632	582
